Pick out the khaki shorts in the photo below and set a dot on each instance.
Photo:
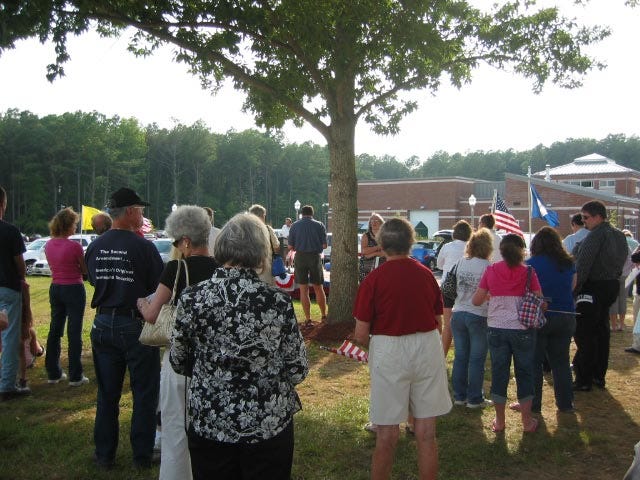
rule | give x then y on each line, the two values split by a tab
308	269
408	375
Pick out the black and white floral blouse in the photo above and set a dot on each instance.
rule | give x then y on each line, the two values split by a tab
242	340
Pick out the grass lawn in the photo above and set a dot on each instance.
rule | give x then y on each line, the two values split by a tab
49	434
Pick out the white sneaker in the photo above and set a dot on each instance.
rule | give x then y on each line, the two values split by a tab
483	404
80	382
370	427
57	380
460	403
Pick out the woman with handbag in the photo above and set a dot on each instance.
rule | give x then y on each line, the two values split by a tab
506	283
189	226
238	340
447	259
371	254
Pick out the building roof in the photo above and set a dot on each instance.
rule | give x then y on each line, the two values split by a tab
589	164
589	192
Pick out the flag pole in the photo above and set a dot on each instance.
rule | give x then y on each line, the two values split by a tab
493	202
529	197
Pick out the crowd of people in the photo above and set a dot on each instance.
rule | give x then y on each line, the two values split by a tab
224	390
491	274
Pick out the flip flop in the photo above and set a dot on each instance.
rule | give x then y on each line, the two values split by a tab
494	427
515	406
533	426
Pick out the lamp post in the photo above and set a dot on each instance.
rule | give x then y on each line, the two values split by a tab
472	203
325	207
296	205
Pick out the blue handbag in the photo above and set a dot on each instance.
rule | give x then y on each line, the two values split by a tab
277	266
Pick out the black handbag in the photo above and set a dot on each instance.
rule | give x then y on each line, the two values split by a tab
450	285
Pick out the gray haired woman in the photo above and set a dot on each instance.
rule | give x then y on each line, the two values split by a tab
189	226
238	340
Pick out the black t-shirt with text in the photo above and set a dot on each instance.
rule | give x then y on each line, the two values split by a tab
122	267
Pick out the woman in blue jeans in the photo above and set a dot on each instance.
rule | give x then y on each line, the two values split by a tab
469	324
557	274
67	297
505	282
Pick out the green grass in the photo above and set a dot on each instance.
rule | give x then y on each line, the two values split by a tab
49	434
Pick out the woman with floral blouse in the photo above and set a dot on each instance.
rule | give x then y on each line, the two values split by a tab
238	340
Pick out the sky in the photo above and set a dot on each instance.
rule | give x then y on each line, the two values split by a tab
497	111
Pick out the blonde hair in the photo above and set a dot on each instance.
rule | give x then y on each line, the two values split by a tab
62	222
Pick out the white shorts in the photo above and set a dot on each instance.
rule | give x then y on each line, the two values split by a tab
408	374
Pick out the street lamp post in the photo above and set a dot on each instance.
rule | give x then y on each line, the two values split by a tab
472	203
325	206
297	207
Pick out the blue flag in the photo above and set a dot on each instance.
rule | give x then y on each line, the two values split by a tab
539	210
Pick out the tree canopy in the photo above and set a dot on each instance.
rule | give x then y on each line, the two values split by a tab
327	62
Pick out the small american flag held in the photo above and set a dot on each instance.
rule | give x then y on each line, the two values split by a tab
504	219
349	350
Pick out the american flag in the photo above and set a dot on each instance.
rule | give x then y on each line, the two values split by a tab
147	226
349	350
504	220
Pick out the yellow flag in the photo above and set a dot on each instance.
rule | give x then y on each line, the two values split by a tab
87	213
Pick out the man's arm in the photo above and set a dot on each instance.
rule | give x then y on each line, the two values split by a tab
361	333
20	266
586	255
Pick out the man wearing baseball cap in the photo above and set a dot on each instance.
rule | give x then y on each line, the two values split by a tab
123	267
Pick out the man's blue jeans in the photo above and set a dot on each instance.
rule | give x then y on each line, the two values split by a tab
66	301
11	301
115	344
554	340
504	344
470	343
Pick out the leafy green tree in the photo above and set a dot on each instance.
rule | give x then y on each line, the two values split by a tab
329	63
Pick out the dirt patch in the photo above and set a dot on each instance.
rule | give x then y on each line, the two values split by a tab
326	332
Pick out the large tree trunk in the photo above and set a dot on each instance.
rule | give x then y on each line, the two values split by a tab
343	203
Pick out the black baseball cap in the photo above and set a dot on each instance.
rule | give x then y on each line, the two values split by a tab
125	197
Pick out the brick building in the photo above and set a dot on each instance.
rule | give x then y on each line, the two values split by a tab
440	202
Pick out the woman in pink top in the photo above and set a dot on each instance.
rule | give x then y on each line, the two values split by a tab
505	283
66	296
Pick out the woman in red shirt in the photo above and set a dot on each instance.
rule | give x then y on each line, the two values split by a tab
67	297
400	305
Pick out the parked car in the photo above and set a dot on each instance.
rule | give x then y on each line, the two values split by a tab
444	237
41	267
425	252
84	239
35	251
326	253
164	248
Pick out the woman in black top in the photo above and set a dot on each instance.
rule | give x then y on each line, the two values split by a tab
371	253
189	226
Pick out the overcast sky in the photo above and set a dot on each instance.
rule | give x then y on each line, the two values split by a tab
496	112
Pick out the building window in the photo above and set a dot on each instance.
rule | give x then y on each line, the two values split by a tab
607	185
631	224
580	183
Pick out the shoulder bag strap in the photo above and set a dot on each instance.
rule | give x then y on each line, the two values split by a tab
175	283
527	287
186	273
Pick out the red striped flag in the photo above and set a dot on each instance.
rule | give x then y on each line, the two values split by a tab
349	350
147	226
504	219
